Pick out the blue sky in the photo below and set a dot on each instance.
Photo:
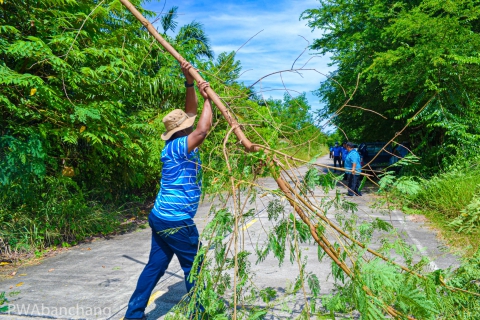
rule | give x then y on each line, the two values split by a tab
229	24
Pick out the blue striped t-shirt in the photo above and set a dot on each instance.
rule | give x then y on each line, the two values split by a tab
180	186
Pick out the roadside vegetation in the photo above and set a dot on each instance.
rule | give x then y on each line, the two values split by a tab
83	92
450	200
414	68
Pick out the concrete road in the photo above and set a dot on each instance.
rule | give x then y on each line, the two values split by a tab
95	280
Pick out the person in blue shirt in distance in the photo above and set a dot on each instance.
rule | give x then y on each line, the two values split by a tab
337	156
354	168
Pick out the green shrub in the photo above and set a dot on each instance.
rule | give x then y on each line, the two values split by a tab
466	277
448	193
60	212
469	219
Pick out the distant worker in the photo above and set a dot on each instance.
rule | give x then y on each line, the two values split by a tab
337	156
331	152
344	156
178	198
354	168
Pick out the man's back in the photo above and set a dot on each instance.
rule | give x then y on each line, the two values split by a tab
337	151
180	188
353	157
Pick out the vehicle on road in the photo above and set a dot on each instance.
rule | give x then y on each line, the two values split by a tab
375	155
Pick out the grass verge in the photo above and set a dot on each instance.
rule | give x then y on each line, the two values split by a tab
450	201
58	215
306	152
466	244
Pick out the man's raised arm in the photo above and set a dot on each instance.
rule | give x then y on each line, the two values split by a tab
191	102
204	123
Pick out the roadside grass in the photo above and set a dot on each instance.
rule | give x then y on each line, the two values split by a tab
465	244
305	152
448	193
59	214
450	201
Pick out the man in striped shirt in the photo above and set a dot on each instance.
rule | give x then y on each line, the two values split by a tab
171	219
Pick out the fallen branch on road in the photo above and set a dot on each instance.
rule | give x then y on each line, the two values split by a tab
368	299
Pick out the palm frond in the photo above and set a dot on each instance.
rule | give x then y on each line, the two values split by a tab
194	34
168	21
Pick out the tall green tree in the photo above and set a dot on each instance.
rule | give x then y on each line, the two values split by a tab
68	78
295	124
411	56
82	92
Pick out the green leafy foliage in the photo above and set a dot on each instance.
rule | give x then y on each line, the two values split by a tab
294	123
418	66
375	285
73	105
448	200
464	306
3	301
60	213
469	218
448	193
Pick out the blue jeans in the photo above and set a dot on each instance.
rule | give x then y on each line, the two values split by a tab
183	241
335	160
353	185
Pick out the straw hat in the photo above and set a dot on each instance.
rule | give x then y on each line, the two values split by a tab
175	121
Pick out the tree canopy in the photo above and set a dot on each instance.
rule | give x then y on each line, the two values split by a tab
417	63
